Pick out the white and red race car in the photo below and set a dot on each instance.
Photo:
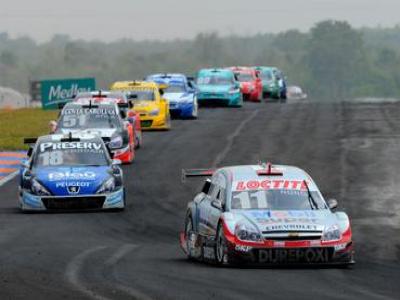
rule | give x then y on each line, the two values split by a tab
264	214
124	104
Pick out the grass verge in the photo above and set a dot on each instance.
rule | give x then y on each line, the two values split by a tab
20	123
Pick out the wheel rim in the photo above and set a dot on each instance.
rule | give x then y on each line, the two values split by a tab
188	232
220	246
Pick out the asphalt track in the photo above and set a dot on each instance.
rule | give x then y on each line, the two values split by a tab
351	150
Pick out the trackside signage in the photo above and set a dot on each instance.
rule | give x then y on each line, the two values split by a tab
55	92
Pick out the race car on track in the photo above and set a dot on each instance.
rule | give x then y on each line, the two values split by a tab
218	86
180	93
71	171
264	214
250	83
103	119
274	83
148	102
124	107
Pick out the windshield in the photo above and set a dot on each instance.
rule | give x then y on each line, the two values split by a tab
175	89
138	95
214	80
54	154
282	199
267	75
87	118
244	77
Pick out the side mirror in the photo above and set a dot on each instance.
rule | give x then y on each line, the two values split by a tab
30	152
116	162
332	203
216	204
206	186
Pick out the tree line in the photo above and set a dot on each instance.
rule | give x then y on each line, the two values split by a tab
331	62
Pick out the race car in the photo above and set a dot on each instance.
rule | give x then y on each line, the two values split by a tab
180	94
274	83
250	83
218	87
148	102
124	107
72	171
102	119
264	214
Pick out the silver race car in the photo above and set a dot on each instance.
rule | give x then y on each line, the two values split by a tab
264	214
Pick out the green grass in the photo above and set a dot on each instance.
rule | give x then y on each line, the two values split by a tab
20	123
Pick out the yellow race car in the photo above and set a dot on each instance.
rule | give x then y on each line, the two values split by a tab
148	102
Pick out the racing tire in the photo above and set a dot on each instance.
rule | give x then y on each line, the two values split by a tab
222	256
188	230
195	111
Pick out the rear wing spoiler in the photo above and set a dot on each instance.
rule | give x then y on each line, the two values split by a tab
197	173
30	141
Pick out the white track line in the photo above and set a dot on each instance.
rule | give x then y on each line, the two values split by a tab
8	178
73	269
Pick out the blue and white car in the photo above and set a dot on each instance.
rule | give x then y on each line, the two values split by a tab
70	172
180	93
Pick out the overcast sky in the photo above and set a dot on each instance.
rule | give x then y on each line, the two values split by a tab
165	19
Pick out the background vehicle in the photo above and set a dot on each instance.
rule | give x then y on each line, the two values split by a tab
148	102
250	83
180	93
124	107
274	83
218	86
264	214
70	172
102	119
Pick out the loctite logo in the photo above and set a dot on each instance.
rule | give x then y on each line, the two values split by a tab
269	185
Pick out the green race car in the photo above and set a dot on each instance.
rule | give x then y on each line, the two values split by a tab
274	83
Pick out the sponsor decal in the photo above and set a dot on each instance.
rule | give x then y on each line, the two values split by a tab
308	255
245	249
273	217
269	185
284	227
86	111
69	145
66	184
58	176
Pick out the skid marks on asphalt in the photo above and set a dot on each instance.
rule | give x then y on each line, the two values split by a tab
231	138
82	274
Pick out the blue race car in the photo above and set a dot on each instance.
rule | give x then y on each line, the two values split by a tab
181	94
70	172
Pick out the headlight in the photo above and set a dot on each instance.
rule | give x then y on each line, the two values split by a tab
154	112
116	142
245	232
38	189
107	187
331	234
234	91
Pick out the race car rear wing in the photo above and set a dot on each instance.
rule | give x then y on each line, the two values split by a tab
197	173
268	171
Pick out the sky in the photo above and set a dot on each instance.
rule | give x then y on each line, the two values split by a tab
169	19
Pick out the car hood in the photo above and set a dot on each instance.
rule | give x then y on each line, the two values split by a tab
280	221
178	97
145	106
70	181
102	132
214	88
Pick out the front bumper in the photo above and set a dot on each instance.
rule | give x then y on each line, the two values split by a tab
30	202
125	154
182	110
220	99
148	122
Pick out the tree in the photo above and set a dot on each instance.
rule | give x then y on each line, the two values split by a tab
335	56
